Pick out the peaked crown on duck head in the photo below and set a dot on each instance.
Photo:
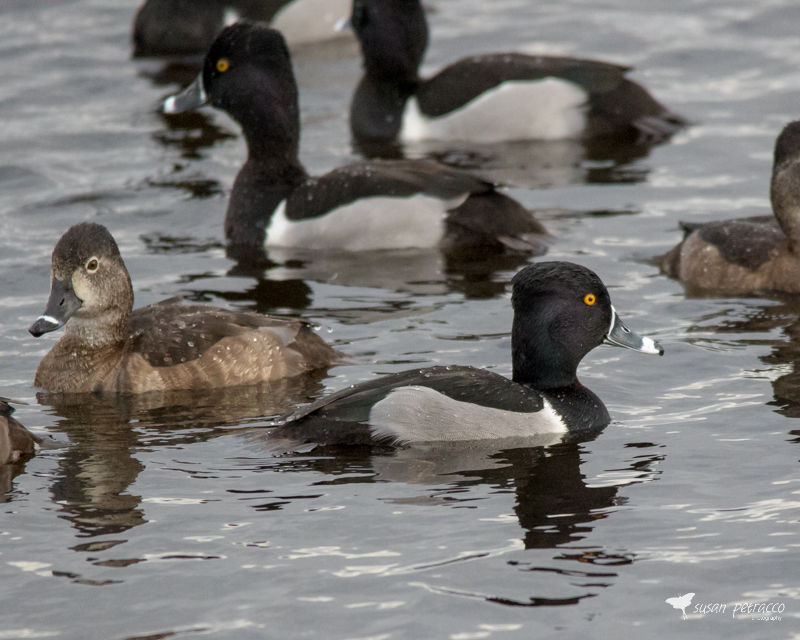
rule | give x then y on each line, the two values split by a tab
249	64
556	323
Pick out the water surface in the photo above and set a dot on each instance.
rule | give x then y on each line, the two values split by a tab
166	517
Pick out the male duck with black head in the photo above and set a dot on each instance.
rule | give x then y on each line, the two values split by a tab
109	347
363	206
748	255
491	97
561	312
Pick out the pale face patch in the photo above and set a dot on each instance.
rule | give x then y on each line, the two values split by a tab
366	224
548	109
420	414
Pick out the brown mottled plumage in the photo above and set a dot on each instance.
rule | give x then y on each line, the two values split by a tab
15	440
748	254
108	347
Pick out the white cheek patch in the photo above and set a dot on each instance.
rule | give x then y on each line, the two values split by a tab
420	414
366	224
548	109
49	319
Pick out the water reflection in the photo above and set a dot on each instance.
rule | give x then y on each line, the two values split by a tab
534	164
785	355
282	284
107	434
190	133
556	506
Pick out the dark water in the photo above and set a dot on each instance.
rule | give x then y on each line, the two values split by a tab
165	516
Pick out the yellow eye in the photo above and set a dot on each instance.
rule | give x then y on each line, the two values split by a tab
589	299
92	265
222	65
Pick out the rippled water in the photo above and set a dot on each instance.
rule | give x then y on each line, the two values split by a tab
165	517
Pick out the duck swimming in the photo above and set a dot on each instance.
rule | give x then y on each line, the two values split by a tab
109	347
489	97
561	312
362	206
747	255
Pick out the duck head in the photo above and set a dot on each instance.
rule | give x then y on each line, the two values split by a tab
785	184
561	312
88	283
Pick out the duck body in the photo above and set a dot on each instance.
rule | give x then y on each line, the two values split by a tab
185	29
107	347
16	442
362	206
489	98
554	327
748	255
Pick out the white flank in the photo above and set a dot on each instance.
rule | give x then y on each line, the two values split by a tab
304	21
548	109
420	414
366	224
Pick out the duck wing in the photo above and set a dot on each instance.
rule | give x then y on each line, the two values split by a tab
745	242
463	81
390	178
343	418
169	333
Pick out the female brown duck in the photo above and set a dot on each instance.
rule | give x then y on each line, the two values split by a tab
164	346
748	254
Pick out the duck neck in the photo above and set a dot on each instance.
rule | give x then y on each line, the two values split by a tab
538	360
272	171
378	106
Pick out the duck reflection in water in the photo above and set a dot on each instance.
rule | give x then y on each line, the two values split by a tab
108	433
783	314
555	504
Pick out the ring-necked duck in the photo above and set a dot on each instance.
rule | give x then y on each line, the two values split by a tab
362	206
748	254
187	28
15	440
165	346
490	97
561	312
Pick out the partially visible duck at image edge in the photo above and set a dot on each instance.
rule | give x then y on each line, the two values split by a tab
16	442
489	97
109	347
363	206
748	255
561	312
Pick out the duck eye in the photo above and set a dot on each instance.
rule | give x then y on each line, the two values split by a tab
589	299
92	265
222	65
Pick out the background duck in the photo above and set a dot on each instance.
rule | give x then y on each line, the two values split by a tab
748	254
561	312
363	206
108	347
187	28
490	97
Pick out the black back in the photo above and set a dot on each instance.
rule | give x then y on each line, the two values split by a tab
396	178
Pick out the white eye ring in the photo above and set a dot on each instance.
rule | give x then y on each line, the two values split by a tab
92	264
